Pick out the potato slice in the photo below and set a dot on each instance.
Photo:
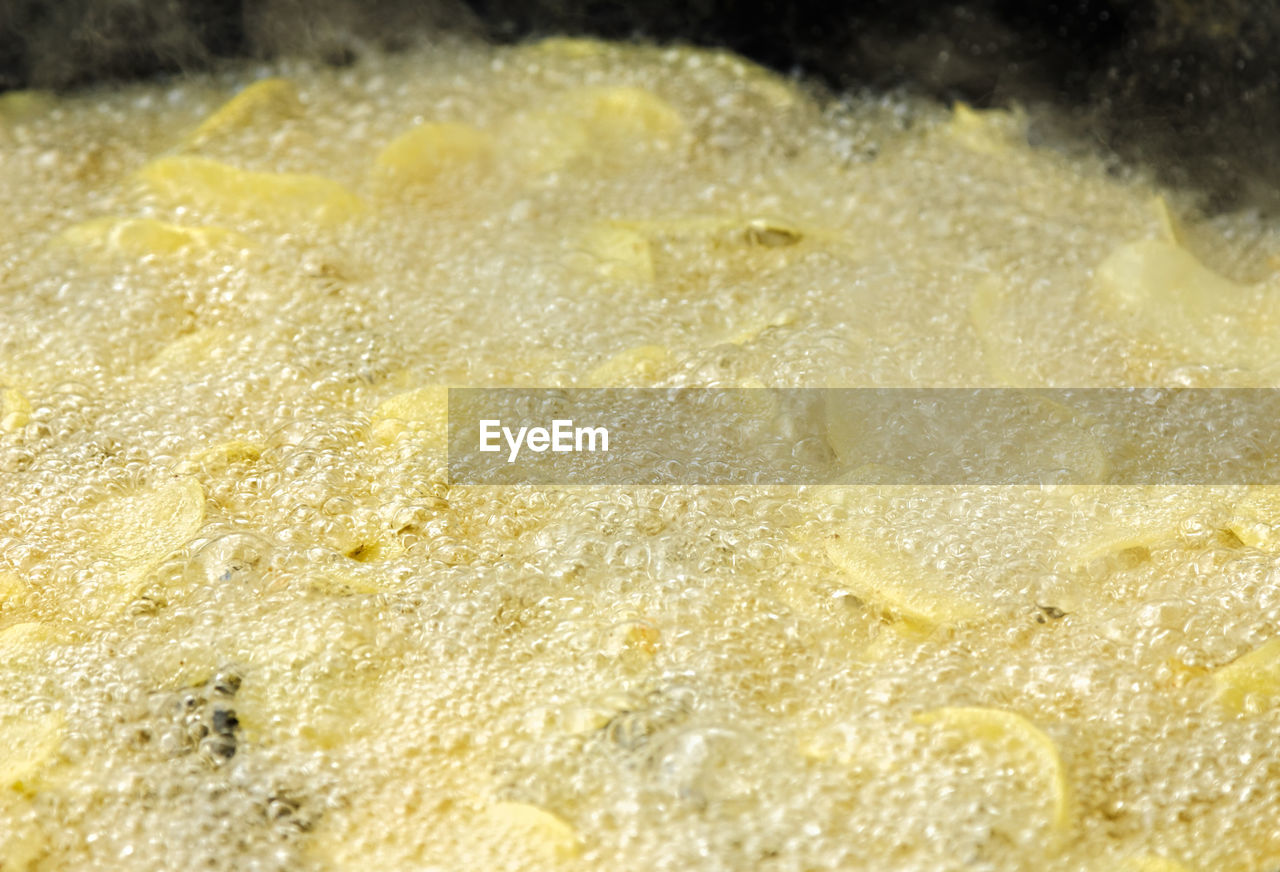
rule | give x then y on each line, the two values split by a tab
1170	228
18	641
915	594
995	132
219	457
143	527
280	198
23	105
27	745
1150	863
996	333
1251	682
268	100
432	150
15	409
643	363
615	252
755	330
1012	735
536	828
147	237
425	409
624	114
572	47
1255	520
596	123
1160	290
189	353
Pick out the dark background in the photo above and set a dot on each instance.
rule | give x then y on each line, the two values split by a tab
1189	87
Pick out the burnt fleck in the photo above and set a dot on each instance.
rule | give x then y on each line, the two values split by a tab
1049	612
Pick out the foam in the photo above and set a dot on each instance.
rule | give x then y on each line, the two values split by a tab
430	676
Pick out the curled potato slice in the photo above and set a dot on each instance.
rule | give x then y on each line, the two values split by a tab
1250	682
15	409
1012	735
1170	229
266	100
433	149
1142	518
143	527
572	47
288	198
27	745
535	828
913	593
1161	290
993	132
145	237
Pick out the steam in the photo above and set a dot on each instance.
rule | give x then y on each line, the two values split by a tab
1185	87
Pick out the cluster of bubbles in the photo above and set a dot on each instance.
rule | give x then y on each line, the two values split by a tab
253	626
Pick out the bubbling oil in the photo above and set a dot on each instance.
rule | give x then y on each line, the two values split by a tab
248	623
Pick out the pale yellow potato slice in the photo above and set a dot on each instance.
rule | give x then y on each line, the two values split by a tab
614	252
1161	291
643	363
777	90
1251	682
1143	518
624	114
432	150
280	198
994	132
265	101
573	47
11	586
1255	520
536	828
907	590
20	640
219	457
24	105
594	123
147	237
189	353
1170	228
15	409
1150	863
22	842
1011	735
987	313
28	745
425	409
142	527
755	330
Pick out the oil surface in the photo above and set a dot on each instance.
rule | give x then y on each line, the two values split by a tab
247	623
